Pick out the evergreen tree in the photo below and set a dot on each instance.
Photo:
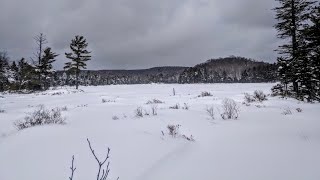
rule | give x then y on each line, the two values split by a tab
14	74
312	33
293	65
14	67
78	57
4	65
45	67
26	75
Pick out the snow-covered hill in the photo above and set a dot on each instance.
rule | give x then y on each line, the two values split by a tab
262	143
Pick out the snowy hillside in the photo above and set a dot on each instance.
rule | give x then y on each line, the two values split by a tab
266	141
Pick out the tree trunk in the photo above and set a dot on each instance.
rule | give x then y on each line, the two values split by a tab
77	82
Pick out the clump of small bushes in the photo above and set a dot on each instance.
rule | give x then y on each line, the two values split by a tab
41	116
107	100
210	111
230	109
176	106
287	111
186	106
258	95
140	112
174	132
115	117
205	94
155	101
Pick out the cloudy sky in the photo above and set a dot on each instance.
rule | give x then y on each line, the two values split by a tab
130	34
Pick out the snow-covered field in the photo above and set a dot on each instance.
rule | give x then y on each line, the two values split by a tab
263	144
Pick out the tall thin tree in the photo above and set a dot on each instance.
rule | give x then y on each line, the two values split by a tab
292	16
45	67
79	56
4	65
41	41
312	33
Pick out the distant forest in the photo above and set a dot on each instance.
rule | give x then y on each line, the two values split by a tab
222	70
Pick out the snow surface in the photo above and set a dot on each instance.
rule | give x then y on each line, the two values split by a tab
263	144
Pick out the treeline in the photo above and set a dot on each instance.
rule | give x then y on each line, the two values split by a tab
23	75
109	77
223	70
39	73
299	61
230	70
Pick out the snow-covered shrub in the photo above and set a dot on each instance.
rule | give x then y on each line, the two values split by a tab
154	101
230	109
154	110
248	98
210	111
83	105
185	106
299	110
260	106
259	95
190	138
115	117
139	112
41	116
2	111
107	100
205	94
57	93
64	108
286	111
173	130
176	106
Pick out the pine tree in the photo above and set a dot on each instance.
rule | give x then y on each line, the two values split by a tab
293	65
14	75
26	75
78	57
45	66
14	67
4	66
312	34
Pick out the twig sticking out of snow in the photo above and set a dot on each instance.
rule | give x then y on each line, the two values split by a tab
102	175
73	169
105	171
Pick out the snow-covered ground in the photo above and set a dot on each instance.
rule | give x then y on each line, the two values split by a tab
262	144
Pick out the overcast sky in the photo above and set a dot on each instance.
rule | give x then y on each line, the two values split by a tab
130	34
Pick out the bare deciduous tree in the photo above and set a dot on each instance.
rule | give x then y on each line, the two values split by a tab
40	40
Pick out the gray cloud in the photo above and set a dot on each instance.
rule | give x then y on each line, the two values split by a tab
125	34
